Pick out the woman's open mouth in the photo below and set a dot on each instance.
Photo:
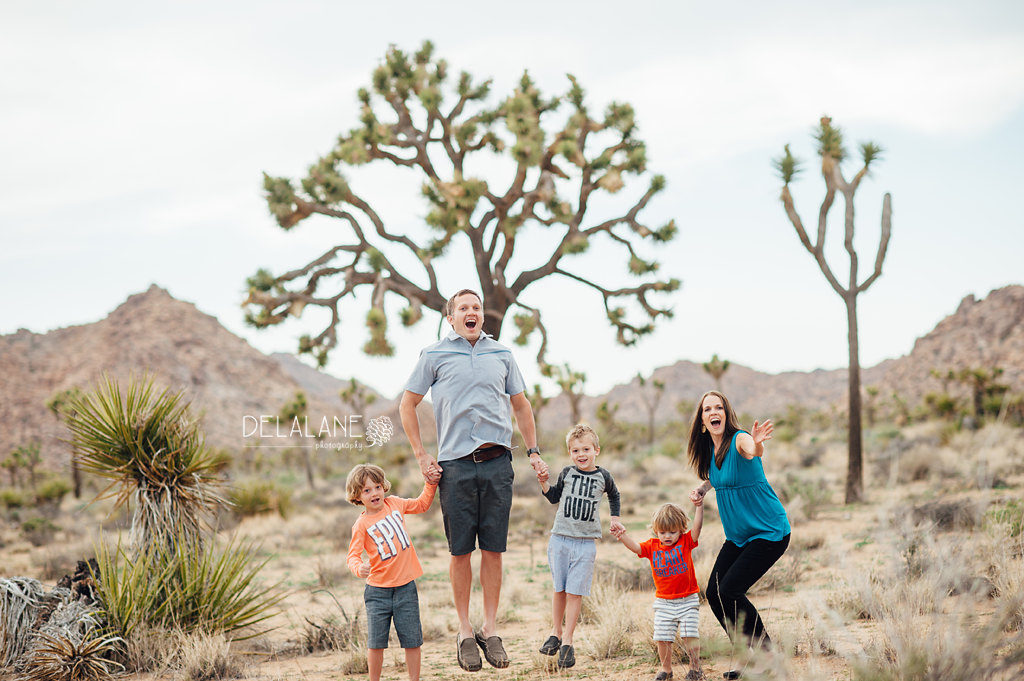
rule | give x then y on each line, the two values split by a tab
715	421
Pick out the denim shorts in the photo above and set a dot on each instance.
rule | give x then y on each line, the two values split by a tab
476	499
572	564
400	603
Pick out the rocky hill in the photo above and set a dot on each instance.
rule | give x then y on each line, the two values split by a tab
180	347
981	333
228	380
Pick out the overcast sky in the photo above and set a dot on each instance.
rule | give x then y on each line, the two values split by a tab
135	135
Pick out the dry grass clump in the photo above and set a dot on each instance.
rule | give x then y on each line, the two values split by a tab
623	578
962	514
61	658
207	657
334	633
615	626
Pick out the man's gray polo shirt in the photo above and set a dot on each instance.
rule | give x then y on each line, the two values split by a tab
469	386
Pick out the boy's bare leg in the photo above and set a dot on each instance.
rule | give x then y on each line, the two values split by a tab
375	661
573	605
460	571
665	655
557	613
692	648
412	661
490	583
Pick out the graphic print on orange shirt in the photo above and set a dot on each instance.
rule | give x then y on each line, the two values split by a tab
389	535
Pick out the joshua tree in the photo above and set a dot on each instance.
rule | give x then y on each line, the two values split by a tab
651	392
871	404
296	411
150	448
11	464
357	396
981	382
28	458
407	122
571	382
60	405
832	152
717	368
537	402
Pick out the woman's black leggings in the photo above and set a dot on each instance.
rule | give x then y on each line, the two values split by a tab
735	571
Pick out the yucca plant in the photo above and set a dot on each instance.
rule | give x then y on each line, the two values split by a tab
149	446
211	591
59	658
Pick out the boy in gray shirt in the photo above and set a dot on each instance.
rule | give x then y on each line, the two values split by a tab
571	550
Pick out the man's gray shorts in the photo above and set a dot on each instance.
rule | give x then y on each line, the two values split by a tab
572	564
476	499
400	603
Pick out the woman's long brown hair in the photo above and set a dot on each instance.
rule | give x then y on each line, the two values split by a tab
701	448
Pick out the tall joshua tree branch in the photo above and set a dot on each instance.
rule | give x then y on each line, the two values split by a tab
405	122
830	148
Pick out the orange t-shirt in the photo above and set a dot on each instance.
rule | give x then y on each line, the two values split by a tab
672	568
383	536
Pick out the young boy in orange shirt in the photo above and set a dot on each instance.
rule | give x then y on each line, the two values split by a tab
392	568
676	599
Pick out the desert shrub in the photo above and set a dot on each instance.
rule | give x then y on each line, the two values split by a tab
1011	514
786	433
52	491
12	498
785	574
814	493
624	579
614	625
810	454
205	657
947	515
39	531
343	633
263	497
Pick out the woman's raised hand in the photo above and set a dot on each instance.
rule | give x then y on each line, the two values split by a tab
762	432
697	496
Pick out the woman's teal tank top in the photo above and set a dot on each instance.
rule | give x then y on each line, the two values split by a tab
746	502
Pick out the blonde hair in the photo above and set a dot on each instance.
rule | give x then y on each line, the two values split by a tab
357	478
580	431
449	307
670	518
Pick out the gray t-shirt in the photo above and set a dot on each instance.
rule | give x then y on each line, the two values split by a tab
469	386
580	495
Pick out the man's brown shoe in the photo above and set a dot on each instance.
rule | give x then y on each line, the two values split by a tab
469	656
494	651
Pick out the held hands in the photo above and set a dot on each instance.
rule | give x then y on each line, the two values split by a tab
697	496
542	475
762	432
616	528
364	569
540	467
430	469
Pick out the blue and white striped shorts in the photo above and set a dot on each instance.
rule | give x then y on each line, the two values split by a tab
678	614
572	564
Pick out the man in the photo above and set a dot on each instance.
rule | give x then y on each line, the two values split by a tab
474	380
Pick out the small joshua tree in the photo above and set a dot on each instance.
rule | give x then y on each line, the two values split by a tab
571	382
60	405
832	152
357	396
717	368
651	392
296	411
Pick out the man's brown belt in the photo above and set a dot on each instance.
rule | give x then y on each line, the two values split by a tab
485	454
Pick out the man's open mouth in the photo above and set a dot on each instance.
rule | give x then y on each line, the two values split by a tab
470	323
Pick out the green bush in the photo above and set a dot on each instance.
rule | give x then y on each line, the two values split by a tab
815	493
1011	514
38	531
12	498
52	491
263	497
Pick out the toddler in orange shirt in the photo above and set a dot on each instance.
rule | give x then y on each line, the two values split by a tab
392	568
676	599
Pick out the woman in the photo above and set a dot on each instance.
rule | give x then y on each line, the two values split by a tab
756	527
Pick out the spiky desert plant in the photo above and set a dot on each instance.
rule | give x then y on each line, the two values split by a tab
60	658
149	446
213	590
